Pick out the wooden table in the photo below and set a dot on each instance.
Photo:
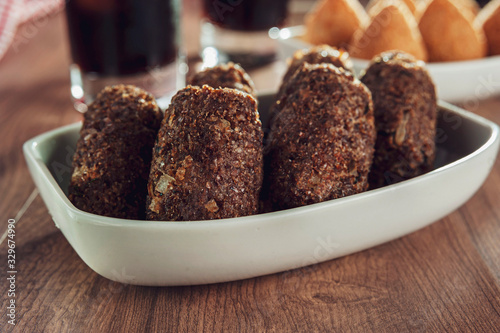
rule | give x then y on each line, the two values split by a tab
445	277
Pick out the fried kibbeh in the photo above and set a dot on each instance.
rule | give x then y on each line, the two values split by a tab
316	55
321	142
113	154
228	75
392	27
404	99
333	22
207	160
489	20
450	34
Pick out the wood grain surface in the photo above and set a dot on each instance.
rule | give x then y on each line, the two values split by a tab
445	277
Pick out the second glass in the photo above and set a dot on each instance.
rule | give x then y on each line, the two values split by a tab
242	31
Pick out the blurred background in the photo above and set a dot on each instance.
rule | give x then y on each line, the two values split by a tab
34	37
172	43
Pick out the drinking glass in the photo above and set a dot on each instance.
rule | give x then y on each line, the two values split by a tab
124	41
242	31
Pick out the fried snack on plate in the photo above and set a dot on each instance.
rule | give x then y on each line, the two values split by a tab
404	99
450	34
392	26
207	160
321	142
470	8
489	19
228	75
333	22
113	154
371	7
320	54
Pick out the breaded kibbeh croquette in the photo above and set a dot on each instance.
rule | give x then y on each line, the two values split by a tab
320	145
470	6
207	161
404	98
321	54
228	75
113	154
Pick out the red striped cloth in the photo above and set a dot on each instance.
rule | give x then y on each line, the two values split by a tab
15	12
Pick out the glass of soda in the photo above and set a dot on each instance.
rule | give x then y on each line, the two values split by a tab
124	41
242	31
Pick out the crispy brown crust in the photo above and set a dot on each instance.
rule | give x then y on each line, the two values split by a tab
112	159
404	97
321	141
228	75
321	54
207	161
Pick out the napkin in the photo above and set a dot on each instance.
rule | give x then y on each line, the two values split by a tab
13	13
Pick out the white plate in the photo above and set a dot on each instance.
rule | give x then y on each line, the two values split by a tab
199	252
456	81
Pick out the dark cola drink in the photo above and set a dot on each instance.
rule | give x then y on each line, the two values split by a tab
123	41
246	15
243	31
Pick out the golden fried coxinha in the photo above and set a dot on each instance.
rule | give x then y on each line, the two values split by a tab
333	22
392	27
489	20
450	32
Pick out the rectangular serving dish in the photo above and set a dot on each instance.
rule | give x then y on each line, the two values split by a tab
199	252
456	81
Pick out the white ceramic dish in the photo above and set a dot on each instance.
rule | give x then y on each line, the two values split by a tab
457	81
199	252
